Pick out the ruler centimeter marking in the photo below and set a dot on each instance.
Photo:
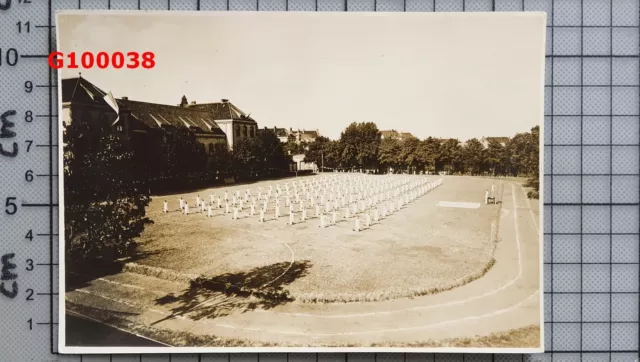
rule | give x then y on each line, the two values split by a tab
15	207
29	24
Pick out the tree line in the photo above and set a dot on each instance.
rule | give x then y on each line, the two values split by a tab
361	147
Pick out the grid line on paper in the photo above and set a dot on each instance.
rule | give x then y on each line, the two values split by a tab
603	39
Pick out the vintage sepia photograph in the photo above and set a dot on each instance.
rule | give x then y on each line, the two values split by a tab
300	181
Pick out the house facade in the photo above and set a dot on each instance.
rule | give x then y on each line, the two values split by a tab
232	121
211	123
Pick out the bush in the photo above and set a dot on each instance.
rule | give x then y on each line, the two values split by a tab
105	199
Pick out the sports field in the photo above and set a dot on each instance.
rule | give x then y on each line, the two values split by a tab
424	275
421	248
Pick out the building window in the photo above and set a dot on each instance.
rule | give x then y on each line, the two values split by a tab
119	128
237	130
210	147
252	131
244	129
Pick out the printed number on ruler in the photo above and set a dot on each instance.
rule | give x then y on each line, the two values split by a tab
102	60
10	148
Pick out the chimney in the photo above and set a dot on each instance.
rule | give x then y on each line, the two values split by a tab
225	100
125	98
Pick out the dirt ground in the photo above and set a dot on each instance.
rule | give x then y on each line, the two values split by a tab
421	247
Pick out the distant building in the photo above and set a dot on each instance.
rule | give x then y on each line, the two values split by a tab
444	140
281	133
502	140
298	136
393	134
306	136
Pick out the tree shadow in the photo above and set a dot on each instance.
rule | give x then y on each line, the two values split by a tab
261	287
80	274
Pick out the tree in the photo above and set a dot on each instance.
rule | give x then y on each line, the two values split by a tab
450	155
105	199
533	161
333	152
360	143
221	159
409	154
473	156
247	157
494	157
186	155
389	154
294	148
274	158
184	102
315	150
428	152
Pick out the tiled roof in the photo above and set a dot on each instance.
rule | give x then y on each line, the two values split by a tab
396	134
81	90
158	115
280	132
310	134
223	110
498	139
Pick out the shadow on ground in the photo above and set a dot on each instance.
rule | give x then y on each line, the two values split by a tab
261	287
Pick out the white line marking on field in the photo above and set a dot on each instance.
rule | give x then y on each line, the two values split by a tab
118	328
457	302
459	205
535	222
401	329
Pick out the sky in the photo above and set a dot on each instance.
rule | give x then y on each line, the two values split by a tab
450	75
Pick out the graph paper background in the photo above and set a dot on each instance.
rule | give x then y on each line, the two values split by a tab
591	175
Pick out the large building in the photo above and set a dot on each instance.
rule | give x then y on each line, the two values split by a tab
212	123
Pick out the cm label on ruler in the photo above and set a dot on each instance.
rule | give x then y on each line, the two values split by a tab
11	127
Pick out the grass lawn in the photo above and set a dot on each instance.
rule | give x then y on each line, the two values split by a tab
419	249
